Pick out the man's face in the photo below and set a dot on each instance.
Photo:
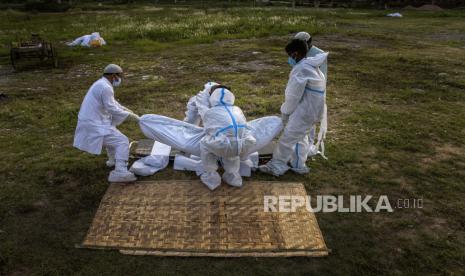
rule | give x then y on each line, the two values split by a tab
295	55
116	77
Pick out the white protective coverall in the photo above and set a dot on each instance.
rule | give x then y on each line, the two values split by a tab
226	136
98	117
86	40
305	102
186	137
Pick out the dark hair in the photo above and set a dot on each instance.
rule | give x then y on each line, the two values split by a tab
214	87
297	45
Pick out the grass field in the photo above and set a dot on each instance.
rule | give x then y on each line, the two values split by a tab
396	97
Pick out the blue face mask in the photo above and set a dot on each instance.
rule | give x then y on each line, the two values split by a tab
291	61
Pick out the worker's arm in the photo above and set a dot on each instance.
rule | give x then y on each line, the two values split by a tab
192	113
294	91
202	102
117	111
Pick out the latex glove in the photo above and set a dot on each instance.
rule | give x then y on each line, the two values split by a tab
133	117
285	118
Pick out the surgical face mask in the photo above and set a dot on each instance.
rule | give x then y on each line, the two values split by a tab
116	82
291	61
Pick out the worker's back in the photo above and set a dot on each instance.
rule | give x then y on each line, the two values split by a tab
92	108
226	125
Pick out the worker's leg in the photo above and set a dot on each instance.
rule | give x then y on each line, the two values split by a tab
231	168
111	156
294	132
120	144
299	157
210	176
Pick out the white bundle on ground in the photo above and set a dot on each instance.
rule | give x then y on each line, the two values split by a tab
186	137
394	15
156	161
92	40
177	134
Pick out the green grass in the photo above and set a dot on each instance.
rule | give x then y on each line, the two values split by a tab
396	113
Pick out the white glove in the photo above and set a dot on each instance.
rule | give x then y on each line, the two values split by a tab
133	117
285	118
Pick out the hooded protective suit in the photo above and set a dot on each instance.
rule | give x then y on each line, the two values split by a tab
305	102
313	52
226	136
98	117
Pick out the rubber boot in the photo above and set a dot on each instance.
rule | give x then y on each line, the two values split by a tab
121	173
232	179
211	179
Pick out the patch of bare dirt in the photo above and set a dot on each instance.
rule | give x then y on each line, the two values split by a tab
238	66
448	36
419	223
442	152
429	8
337	40
423	8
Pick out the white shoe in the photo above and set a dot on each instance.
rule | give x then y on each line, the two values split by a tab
121	176
110	163
232	179
211	179
303	170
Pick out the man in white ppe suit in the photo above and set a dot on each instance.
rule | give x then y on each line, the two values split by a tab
98	117
226	138
303	107
312	52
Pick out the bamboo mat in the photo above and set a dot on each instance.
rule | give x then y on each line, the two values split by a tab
184	218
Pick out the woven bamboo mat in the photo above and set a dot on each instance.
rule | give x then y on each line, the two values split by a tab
184	218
